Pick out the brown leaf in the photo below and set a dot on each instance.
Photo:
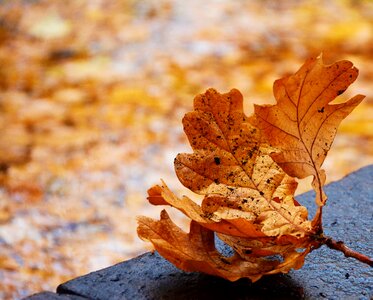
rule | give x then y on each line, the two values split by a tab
233	167
302	125
161	195
248	198
196	251
240	169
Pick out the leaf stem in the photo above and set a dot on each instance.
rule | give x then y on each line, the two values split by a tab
317	220
340	246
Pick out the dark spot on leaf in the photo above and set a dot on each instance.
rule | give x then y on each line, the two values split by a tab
340	92
217	160
248	251
4	167
225	261
321	110
261	193
216	181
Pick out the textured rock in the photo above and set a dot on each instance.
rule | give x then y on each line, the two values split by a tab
327	274
54	296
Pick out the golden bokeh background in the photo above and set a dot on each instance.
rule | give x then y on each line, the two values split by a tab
92	93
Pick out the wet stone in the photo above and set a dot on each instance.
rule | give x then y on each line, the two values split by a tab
323	276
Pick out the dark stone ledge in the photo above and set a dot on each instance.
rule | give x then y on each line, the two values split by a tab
54	296
326	274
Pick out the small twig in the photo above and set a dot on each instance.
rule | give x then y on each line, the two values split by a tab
340	246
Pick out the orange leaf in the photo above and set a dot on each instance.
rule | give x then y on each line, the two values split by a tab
232	165
196	251
248	198
302	125
245	174
161	195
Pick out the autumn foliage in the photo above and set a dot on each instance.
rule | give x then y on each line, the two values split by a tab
246	169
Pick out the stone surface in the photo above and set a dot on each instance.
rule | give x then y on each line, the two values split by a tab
327	274
54	296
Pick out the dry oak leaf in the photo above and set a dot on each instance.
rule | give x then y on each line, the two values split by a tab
248	198
195	251
302	125
233	168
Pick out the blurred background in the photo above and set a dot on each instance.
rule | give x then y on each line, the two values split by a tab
92	93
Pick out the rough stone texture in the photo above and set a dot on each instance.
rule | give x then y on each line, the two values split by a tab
327	274
54	296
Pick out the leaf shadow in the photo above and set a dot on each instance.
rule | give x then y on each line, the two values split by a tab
201	286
